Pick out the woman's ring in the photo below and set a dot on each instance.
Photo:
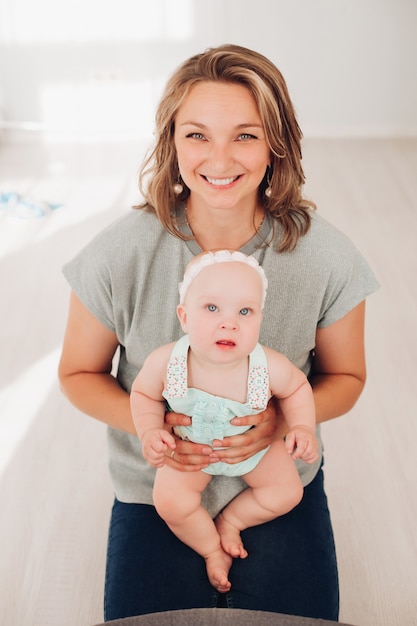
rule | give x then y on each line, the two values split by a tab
172	454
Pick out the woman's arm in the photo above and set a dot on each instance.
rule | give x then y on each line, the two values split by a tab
339	366
85	369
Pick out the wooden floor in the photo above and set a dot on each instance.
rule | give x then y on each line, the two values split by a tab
55	492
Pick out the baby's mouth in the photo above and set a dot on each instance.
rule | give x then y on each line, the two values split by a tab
225	342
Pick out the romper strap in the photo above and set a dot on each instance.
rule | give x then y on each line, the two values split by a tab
176	386
258	379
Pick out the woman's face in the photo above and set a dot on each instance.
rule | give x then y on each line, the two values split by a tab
221	146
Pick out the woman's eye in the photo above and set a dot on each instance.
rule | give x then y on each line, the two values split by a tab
198	136
212	308
246	137
244	311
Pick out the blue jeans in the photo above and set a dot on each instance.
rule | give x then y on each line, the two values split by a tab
291	567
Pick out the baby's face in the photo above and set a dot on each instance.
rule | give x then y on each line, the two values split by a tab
222	311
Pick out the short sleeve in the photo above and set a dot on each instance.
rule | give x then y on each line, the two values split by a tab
351	280
91	284
91	274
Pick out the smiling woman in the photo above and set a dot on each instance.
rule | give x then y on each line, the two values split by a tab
226	126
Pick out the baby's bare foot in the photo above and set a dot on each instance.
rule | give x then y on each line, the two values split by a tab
218	565
230	538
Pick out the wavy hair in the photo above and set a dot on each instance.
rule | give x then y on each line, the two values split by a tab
232	64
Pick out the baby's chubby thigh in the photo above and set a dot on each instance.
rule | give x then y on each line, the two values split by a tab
178	494
275	480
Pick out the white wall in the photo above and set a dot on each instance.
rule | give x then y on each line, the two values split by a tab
97	66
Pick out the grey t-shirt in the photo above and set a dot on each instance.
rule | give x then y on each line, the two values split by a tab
128	277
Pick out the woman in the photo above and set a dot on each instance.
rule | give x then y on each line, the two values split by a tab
225	173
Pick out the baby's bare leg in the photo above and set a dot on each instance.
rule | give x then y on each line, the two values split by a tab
177	498
274	489
230	537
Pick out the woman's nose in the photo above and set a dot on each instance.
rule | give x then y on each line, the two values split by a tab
220	157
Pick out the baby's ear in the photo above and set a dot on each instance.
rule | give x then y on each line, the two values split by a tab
182	316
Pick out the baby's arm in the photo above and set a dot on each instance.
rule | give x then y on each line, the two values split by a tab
148	407
290	385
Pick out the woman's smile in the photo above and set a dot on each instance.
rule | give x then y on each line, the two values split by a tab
221	182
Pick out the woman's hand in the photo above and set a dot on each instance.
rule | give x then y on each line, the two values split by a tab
187	456
266	427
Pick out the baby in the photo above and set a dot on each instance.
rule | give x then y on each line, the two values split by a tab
216	372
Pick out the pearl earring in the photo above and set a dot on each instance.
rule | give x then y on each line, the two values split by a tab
178	188
268	190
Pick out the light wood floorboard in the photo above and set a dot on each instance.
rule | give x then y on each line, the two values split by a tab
54	487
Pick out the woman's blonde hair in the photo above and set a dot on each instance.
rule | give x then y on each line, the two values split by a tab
232	64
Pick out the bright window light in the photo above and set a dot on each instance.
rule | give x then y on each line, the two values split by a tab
52	21
119	109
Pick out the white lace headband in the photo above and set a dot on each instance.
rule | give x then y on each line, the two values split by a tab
222	256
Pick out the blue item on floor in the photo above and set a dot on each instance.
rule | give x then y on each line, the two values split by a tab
25	207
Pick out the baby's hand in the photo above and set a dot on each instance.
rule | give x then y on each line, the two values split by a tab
155	442
302	444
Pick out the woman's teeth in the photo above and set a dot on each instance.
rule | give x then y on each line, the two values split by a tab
221	181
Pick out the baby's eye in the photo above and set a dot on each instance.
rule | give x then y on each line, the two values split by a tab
244	311
212	308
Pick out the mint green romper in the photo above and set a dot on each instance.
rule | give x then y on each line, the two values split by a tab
210	414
